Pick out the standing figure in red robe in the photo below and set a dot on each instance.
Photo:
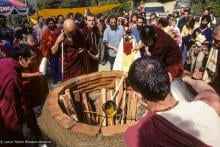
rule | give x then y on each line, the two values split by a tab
47	41
91	38
74	61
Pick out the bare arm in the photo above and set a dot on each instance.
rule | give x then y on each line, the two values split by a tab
139	46
198	85
32	75
211	98
112	47
205	93
56	45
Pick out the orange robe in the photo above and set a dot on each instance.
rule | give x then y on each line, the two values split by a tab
47	42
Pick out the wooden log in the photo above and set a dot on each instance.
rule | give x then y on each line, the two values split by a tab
96	87
94	98
129	106
123	106
103	100
77	95
133	105
86	108
68	103
119	97
63	104
95	83
109	98
91	106
77	101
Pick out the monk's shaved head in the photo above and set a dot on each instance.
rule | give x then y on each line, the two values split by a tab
69	26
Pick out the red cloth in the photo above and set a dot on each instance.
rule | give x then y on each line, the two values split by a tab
127	48
168	50
176	70
154	130
11	112
47	42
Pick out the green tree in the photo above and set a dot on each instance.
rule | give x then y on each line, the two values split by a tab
199	6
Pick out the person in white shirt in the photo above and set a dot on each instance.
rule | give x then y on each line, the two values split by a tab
199	118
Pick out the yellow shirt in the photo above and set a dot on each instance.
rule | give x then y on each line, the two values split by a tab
186	31
127	60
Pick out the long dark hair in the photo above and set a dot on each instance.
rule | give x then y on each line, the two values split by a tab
190	23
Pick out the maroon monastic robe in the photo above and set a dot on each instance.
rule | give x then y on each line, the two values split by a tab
168	50
91	44
75	63
11	112
153	130
47	42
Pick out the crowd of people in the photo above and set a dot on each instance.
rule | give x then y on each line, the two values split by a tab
75	45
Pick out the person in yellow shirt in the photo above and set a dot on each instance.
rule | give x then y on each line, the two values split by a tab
186	35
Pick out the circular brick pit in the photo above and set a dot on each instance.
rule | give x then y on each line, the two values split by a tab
73	114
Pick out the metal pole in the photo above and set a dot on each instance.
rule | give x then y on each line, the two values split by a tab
62	56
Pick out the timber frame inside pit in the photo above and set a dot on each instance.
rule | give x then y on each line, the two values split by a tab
73	116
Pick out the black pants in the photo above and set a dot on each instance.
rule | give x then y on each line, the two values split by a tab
111	60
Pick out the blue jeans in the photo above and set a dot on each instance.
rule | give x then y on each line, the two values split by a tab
55	68
184	52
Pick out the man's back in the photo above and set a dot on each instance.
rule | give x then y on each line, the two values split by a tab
197	119
154	130
11	112
9	68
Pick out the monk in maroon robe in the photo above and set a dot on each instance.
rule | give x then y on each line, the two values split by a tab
11	92
162	45
35	85
91	39
11	112
74	54
170	123
160	132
